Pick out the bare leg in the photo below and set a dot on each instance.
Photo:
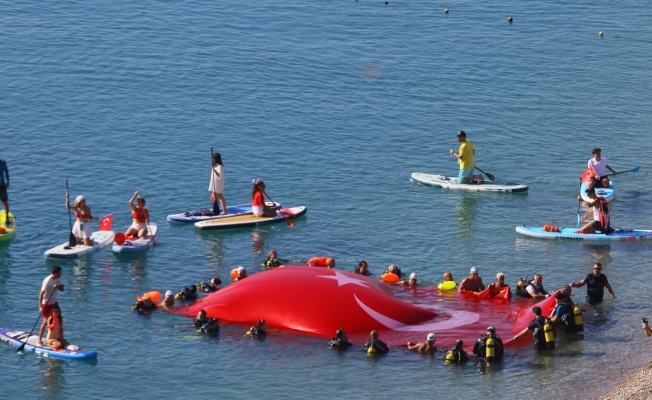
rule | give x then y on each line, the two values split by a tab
220	196
142	233
131	231
42	330
55	344
88	242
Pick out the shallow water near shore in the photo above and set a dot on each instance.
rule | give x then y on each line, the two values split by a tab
333	104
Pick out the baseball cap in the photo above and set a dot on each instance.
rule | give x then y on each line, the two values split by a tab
431	337
461	133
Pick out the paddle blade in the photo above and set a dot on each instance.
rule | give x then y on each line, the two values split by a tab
72	240
119	238
635	169
21	348
490	176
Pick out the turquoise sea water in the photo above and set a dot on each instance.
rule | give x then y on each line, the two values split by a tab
333	104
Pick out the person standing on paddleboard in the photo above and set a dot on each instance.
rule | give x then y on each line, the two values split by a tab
472	283
465	159
599	164
82	229
4	185
217	185
47	298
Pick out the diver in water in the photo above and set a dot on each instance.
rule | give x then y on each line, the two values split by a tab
456	354
210	286
489	346
542	331
187	293
200	320
259	330
340	341
144	306
362	268
375	345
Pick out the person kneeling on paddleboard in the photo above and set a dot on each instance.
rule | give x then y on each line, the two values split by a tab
140	214
82	229
55	330
258	206
472	283
601	219
465	159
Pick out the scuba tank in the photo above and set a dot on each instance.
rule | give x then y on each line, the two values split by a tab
490	349
549	334
577	316
520	286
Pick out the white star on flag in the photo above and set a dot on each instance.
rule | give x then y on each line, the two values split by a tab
343	280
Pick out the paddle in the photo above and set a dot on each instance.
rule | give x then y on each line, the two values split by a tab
490	176
72	241
579	203
634	170
22	346
290	224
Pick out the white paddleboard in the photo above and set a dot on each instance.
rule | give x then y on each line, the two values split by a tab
608	194
451	182
137	245
101	239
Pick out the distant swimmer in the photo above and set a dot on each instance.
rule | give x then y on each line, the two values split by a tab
489	346
140	215
413	282
216	185
448	283
595	284
241	273
427	347
340	341
600	213
258	206
362	268
472	283
82	229
272	260
465	159
144	305
600	167
259	330
542	331
375	345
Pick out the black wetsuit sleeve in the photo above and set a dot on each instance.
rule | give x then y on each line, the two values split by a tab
383	346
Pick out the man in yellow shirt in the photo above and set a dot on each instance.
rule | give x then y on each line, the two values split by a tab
465	157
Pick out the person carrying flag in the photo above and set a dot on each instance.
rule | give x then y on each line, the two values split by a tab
599	167
601	218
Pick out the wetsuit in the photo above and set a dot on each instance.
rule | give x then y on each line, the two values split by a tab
536	326
595	287
480	347
336	343
378	345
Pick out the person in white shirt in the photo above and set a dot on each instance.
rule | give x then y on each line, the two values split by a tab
217	185
600	167
47	299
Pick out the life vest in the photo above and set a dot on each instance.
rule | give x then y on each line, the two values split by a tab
318	261
273	263
391	277
187	293
604	215
448	285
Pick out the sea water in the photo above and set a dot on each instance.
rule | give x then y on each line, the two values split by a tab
333	104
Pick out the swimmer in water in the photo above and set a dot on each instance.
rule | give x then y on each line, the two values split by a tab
427	347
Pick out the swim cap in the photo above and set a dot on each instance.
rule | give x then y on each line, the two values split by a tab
169	293
432	337
79	199
240	269
474	270
491	329
413	275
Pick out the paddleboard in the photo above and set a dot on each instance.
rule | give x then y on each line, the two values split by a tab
608	194
137	245
618	235
205	214
7	234
243	221
100	238
17	338
451	182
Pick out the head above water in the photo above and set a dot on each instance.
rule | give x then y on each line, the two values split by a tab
500	277
431	338
374	335
474	271
448	276
363	266
413	276
340	334
330	263
491	329
597	269
241	271
201	314
216	281
459	344
536	310
538	279
272	255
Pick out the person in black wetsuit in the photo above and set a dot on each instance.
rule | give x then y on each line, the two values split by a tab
480	347
375	345
595	284
362	268
340	341
536	326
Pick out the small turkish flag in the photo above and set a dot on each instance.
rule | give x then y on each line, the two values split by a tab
588	174
106	223
212	198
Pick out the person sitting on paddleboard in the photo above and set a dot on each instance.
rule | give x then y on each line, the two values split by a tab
140	214
258	206
427	347
535	289
410	282
55	330
82	229
601	219
217	185
362	268
599	164
465	157
472	283
500	281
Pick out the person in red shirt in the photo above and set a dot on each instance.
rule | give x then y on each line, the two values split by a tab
258	206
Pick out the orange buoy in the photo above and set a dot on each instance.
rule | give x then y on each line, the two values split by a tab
153	296
389	277
319	261
234	273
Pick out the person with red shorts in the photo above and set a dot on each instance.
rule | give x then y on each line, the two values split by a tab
47	299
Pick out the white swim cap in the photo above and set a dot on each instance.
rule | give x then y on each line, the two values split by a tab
432	337
169	293
474	270
79	199
413	275
498	275
241	269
